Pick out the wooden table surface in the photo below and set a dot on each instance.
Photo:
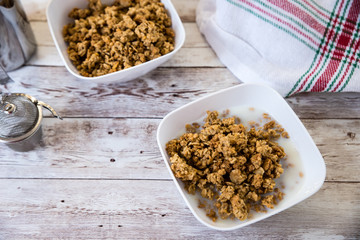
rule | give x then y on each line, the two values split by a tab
100	175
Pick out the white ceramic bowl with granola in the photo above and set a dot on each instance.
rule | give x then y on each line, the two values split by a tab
301	174
104	58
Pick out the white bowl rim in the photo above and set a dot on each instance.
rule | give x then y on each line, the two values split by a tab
133	68
243	224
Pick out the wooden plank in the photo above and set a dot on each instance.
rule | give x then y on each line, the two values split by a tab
36	9
90	148
127	149
194	57
186	9
163	90
64	209
193	39
326	105
153	95
42	33
185	57
338	141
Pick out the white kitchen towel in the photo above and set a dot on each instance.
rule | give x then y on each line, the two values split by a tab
291	45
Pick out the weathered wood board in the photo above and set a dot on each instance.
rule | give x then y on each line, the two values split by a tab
98	174
153	209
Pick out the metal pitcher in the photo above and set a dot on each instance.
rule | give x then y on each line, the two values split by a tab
17	41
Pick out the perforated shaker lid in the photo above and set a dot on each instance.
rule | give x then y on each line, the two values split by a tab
19	117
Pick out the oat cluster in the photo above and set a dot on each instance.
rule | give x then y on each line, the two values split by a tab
227	163
105	39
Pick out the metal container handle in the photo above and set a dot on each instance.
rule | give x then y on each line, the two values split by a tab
4	80
41	104
48	107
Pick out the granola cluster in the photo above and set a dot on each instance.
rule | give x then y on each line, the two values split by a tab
105	39
227	163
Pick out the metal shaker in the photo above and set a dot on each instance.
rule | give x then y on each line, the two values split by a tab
20	117
17	41
20	121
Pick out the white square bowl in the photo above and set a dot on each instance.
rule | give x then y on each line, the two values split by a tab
57	17
258	97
